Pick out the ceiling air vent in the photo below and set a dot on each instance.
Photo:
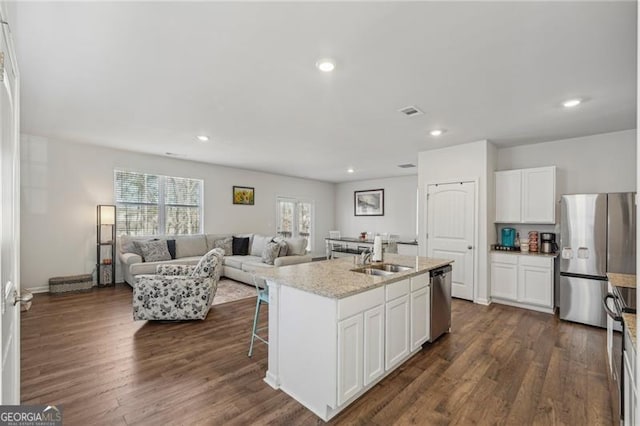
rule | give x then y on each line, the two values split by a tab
410	111
406	166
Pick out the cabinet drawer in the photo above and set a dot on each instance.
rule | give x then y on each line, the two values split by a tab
358	303
511	259
398	289
540	262
421	281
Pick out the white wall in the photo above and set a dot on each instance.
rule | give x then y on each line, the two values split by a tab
462	162
598	163
62	183
399	207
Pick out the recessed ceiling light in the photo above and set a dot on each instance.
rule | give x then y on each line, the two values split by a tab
572	103
436	132
203	138
350	170
326	65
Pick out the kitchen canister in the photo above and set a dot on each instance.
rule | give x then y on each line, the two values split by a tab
524	246
533	241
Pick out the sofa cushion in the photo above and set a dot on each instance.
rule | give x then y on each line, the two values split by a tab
270	252
150	267
154	251
191	245
233	261
296	246
226	244
254	266
240	246
258	244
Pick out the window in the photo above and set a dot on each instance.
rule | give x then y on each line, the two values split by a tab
154	204
295	218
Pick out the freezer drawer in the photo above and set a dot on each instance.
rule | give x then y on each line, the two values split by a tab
581	300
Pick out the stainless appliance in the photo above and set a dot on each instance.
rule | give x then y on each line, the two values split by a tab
548	242
621	299
440	302
597	236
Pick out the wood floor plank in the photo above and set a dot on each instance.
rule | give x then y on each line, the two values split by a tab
500	365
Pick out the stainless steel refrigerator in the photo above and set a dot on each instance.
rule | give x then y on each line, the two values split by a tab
597	235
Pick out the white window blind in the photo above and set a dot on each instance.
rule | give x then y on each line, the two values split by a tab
155	204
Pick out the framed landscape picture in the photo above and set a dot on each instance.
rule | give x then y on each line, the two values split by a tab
369	203
243	195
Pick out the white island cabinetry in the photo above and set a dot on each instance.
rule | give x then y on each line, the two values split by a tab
327	351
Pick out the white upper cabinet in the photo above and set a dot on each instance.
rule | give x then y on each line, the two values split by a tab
509	196
526	195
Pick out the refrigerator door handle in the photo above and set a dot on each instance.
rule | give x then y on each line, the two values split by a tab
614	315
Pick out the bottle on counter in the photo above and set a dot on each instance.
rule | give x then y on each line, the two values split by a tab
517	241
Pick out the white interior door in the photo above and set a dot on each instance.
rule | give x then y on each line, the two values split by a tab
9	229
451	231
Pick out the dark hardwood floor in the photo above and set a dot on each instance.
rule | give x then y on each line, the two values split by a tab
500	365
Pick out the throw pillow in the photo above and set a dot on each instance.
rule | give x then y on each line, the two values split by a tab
240	246
258	244
270	252
283	246
154	251
171	246
296	246
225	244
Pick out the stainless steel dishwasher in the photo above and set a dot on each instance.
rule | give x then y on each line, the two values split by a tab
440	302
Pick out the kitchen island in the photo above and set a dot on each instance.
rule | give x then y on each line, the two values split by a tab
335	332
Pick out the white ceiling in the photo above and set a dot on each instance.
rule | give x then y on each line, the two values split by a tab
149	77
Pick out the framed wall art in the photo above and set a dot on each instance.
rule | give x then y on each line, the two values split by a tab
244	195
368	203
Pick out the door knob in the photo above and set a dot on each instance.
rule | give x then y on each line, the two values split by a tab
469	247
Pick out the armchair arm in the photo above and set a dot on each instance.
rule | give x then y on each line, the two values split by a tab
291	260
168	269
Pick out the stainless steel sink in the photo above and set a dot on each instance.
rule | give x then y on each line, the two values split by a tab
382	269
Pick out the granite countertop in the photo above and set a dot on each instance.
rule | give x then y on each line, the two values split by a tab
630	324
528	253
335	278
622	280
367	241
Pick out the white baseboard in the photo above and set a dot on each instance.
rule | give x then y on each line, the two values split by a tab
482	302
41	289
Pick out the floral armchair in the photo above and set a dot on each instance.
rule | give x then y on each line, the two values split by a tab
178	292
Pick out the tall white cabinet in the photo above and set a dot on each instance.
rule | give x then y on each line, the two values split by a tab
526	195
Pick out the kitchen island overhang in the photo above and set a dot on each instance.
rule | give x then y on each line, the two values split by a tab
334	333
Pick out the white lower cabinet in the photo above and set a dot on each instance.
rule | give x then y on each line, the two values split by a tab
397	331
350	360
523	280
373	344
420	318
630	391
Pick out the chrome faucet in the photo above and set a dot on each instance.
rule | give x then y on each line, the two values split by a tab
365	256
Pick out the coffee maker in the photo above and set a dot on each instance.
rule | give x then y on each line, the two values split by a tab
548	242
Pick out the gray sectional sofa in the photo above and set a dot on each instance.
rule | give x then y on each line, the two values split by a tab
190	248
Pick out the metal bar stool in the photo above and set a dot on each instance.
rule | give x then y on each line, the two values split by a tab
263	297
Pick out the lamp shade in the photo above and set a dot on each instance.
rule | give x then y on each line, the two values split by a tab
106	215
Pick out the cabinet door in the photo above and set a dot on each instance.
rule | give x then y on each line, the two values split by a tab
420	304
538	195
535	285
350	366
508	196
396	331
373	344
504	281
